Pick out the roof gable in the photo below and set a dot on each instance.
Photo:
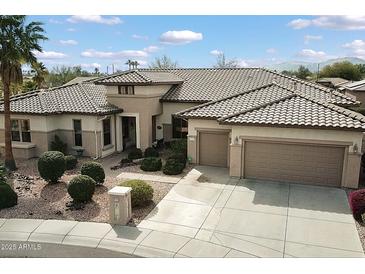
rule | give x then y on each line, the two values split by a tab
140	77
275	104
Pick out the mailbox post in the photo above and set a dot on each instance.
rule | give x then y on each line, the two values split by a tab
120	205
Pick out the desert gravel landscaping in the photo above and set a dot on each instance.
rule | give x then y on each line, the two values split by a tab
40	200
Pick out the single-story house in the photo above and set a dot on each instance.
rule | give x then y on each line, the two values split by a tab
257	122
355	90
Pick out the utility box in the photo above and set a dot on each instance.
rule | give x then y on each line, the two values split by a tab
120	205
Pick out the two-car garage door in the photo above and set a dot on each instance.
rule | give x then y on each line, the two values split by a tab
312	164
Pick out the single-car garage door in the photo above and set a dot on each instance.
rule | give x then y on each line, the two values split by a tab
311	164
213	148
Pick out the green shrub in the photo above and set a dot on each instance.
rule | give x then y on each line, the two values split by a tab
135	153
173	167
151	152
71	162
151	164
179	146
51	166
58	145
180	157
141	193
94	170
81	188
8	197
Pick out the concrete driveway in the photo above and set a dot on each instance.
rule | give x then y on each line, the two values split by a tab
224	217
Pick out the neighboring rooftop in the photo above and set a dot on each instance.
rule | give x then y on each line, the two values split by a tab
84	98
140	77
332	81
80	79
275	104
355	85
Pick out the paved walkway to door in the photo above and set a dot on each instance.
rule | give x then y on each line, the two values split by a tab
228	217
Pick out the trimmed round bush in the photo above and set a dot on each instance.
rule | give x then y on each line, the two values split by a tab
8	197
151	164
71	162
94	170
151	152
357	203
135	153
180	157
141	194
173	167
81	188
51	166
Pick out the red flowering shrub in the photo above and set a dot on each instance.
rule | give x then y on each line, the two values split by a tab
357	203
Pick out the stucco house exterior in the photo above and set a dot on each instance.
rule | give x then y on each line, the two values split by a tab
258	123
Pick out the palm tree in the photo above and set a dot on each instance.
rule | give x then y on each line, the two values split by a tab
40	72
18	42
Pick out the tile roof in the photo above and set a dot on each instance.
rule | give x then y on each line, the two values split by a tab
81	79
206	84
83	98
355	85
277	105
236	103
141	77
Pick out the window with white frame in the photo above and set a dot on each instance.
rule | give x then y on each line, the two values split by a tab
126	90
20	130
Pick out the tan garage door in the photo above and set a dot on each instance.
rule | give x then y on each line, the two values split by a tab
213	148
311	164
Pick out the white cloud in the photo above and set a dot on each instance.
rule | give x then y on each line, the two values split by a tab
337	22
71	29
180	37
54	21
139	37
312	54
69	42
49	55
92	65
241	63
271	50
356	47
299	23
216	52
113	20
308	38
151	49
113	54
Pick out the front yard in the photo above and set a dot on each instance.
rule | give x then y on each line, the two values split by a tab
40	200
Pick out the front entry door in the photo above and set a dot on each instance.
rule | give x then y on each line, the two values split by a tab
129	132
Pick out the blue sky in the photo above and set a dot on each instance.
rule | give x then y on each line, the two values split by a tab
194	41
